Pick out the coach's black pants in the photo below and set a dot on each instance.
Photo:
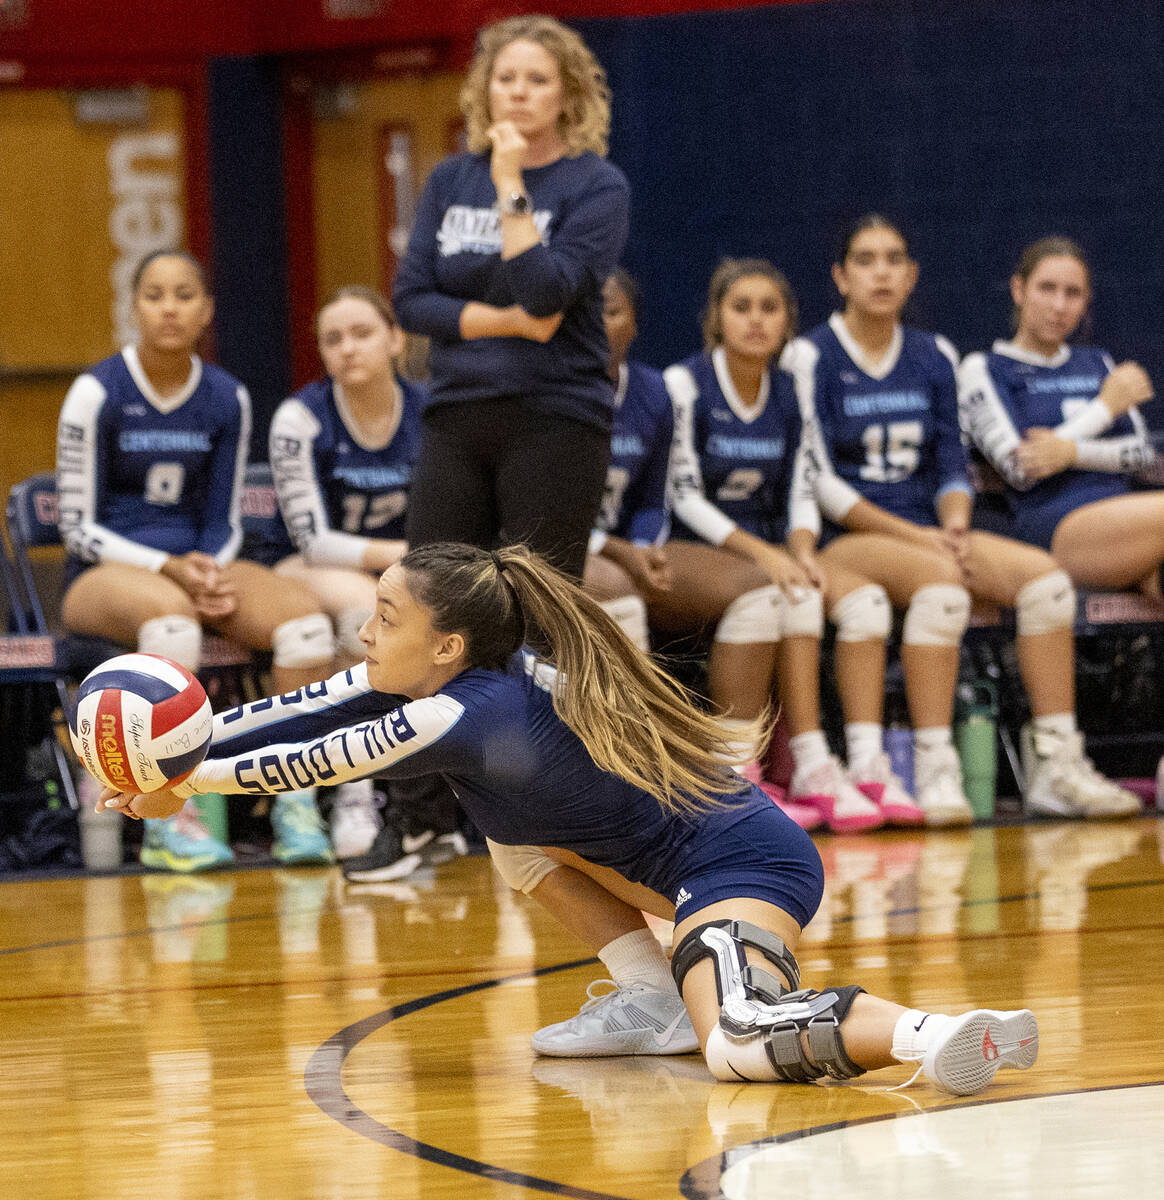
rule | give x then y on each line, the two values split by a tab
493	472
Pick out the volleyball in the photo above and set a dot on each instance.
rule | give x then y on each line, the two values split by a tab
141	722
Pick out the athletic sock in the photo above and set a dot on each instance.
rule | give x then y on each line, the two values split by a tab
637	957
862	742
809	751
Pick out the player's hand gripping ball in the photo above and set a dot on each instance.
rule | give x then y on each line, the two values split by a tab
141	723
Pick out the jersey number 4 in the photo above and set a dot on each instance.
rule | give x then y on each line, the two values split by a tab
892	451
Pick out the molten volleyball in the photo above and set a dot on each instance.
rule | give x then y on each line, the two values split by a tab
141	722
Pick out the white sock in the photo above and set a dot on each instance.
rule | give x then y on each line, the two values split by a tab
637	957
931	740
1058	725
740	745
862	743
914	1032
809	751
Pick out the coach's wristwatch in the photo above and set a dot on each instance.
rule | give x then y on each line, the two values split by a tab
513	204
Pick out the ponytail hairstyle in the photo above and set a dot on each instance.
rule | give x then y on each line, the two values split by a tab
854	229
730	271
634	720
1054	246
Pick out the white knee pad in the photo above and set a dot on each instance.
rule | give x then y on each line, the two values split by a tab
630	614
937	615
522	867
348	623
863	615
1045	605
303	641
177	637
804	613
756	616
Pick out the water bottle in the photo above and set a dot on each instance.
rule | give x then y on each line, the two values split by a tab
974	736
211	808
100	838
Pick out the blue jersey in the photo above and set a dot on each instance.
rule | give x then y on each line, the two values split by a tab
890	435
581	209
1009	391
735	466
143	477
336	489
634	504
521	774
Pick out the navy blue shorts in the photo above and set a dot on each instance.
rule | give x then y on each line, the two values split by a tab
763	855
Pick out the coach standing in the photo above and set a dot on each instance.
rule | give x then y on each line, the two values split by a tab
504	272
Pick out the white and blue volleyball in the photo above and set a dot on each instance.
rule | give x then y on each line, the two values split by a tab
141	722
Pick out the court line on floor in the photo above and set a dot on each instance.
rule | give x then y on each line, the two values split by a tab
323	1079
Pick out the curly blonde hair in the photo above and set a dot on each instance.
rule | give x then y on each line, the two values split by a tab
585	120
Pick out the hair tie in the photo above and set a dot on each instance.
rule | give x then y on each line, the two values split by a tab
497	560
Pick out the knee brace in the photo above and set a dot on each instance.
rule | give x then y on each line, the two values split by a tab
724	943
522	867
176	637
303	641
629	613
937	615
348	623
753	617
863	615
803	613
796	1040
1045	605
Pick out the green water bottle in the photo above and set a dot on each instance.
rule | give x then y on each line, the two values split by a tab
974	736
211	808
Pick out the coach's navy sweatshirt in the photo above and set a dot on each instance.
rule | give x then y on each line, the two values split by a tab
581	207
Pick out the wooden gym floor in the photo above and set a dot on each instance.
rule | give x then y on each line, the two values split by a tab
268	1033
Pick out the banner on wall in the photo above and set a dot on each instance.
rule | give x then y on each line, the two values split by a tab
145	178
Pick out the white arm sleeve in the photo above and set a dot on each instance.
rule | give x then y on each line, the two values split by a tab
684	479
833	495
1122	455
333	757
77	484
803	509
292	442
987	422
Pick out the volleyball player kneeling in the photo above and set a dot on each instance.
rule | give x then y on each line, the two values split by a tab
595	755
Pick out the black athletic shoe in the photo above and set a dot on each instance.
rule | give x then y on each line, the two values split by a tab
395	854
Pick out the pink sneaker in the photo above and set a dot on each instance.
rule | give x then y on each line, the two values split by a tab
804	815
828	790
877	781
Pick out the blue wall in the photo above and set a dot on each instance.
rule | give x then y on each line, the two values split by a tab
978	125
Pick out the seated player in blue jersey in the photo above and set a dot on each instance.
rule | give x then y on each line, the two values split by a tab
342	452
151	451
625	557
595	754
1036	406
739	493
893	481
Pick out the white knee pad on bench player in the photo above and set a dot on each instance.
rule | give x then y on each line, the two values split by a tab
522	867
864	615
803	613
756	616
1045	605
176	637
303	641
937	615
629	613
348	623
